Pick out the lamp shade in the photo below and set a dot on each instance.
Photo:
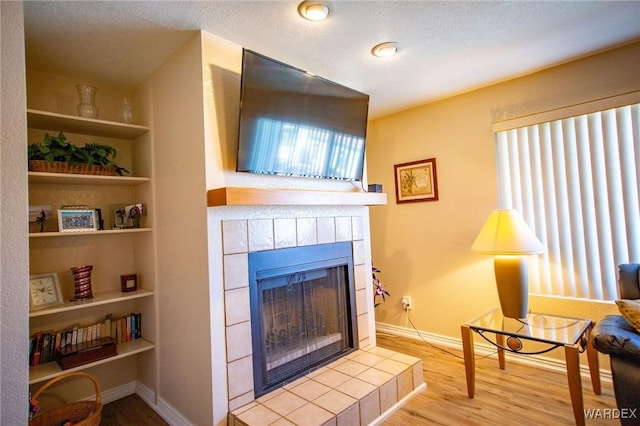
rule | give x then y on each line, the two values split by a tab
505	232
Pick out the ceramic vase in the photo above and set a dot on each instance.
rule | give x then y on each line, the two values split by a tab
82	278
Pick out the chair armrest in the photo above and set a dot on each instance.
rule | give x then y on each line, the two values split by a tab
629	280
616	337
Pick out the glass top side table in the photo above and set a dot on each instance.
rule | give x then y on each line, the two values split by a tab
548	332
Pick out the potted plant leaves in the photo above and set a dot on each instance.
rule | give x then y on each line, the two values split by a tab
55	154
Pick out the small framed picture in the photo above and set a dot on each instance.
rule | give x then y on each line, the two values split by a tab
44	291
416	181
129	282
77	220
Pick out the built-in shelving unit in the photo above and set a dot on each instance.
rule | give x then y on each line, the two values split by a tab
91	233
45	120
57	251
242	196
50	370
98	299
64	178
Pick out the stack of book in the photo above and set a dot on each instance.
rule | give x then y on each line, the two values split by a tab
46	346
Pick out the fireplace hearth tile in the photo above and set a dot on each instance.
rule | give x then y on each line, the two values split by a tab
382	352
375	377
370	407
331	378
404	358
405	383
270	395
368	358
258	415
356	388
335	401
351	368
312	415
349	417
391	366
310	390
329	399
282	422
285	403
388	395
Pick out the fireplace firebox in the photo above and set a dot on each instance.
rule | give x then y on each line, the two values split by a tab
303	312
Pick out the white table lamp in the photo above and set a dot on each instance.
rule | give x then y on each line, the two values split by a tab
506	236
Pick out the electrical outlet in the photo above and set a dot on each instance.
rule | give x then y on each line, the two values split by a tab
406	303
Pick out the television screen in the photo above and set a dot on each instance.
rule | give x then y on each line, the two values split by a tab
294	123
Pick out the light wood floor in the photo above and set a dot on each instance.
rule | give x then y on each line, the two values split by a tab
518	395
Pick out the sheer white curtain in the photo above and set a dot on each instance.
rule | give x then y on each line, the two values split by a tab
576	181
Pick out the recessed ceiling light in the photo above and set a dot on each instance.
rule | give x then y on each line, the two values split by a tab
314	10
384	50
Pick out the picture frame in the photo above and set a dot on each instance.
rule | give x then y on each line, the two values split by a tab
128	282
44	291
416	181
81	220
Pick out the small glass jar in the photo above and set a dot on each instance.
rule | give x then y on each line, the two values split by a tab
127	110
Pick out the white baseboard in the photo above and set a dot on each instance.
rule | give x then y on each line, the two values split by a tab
118	392
161	407
484	349
164	410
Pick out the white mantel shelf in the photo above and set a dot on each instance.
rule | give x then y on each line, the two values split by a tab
241	196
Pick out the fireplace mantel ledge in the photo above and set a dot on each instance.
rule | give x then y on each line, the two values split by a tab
243	196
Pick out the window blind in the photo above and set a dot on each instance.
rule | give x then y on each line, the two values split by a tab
576	182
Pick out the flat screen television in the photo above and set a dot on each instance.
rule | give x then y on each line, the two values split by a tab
294	123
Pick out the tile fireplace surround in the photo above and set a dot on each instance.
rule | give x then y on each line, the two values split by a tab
357	389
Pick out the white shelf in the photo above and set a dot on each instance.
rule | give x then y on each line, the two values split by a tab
78	234
87	126
65	178
50	370
98	299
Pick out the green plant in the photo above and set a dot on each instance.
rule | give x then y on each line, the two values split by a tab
58	148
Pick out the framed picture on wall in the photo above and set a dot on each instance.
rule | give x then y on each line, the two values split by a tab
416	181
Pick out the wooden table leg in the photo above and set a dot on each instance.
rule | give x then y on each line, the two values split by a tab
572	358
500	342
594	366
469	359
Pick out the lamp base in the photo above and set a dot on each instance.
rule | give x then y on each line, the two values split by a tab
512	280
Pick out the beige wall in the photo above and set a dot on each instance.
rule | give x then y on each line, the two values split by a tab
14	247
179	179
423	249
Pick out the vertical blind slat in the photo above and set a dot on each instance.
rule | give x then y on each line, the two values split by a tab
576	183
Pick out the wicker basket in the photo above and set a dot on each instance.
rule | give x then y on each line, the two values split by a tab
81	413
76	169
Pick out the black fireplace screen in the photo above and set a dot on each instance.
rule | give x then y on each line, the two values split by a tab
302	311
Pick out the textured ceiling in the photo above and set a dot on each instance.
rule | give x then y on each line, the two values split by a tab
445	47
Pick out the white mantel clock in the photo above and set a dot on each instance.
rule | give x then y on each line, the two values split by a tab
44	291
